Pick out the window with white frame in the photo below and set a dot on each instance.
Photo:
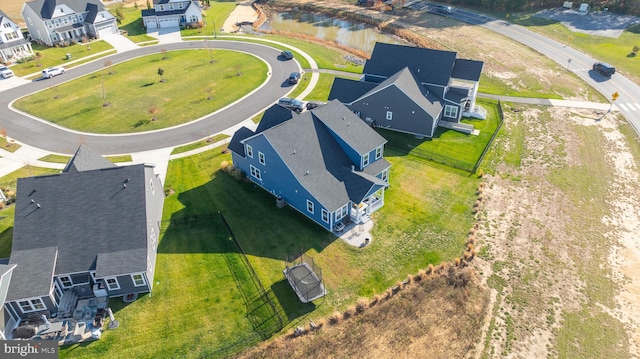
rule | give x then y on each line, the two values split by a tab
161	7
378	152
385	175
138	280
261	157
112	283
450	111
342	212
309	206
389	115
31	305
365	160
66	282
154	239
325	215
6	24
249	151
255	172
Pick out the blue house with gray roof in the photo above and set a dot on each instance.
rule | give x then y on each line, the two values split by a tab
326	163
90	231
413	90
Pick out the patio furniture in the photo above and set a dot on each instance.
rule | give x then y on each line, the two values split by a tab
339	227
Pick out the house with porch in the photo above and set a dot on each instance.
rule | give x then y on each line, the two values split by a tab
13	45
52	22
325	163
90	231
171	13
413	90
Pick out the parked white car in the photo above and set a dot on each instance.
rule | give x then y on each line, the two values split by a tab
5	72
52	71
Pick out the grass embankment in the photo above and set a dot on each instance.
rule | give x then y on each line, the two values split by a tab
141	100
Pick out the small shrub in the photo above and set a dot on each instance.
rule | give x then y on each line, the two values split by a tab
467	256
430	269
457	262
409	280
459	277
470	247
349	312
224	166
361	305
422	275
335	318
375	300
471	239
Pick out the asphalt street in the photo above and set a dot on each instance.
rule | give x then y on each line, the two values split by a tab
46	136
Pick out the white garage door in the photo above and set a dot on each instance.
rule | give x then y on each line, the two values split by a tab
106	30
169	23
151	24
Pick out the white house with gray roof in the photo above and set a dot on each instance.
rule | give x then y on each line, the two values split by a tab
52	22
171	13
13	45
90	231
326	163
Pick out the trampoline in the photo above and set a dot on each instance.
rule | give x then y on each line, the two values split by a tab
304	281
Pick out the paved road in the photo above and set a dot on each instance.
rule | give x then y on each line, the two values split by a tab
49	137
629	101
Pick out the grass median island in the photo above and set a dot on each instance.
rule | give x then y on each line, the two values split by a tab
139	99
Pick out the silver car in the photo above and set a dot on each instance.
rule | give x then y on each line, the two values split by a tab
52	71
5	72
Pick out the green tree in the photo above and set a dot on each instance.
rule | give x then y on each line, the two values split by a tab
160	73
148	5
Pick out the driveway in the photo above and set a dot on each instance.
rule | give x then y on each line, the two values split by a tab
167	35
120	42
594	23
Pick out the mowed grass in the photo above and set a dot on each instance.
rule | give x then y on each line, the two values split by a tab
139	101
199	144
216	14
132	22
54	56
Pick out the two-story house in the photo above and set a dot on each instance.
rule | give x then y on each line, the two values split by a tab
51	22
90	231
413	90
171	13
13	45
326	163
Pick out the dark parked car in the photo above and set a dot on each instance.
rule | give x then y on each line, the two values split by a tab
294	77
604	69
444	9
313	104
287	55
291	103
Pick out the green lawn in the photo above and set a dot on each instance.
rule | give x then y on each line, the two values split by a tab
53	56
323	88
193	146
55	158
132	22
216	14
139	101
8	145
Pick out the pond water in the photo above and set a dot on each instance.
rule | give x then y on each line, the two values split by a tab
352	34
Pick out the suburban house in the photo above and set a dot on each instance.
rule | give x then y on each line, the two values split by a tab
13	45
171	13
413	90
89	231
326	163
52	22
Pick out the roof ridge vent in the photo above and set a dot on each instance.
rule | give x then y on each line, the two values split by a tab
38	204
307	173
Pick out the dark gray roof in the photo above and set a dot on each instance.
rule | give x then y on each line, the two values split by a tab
111	264
316	159
467	69
33	274
148	12
347	90
273	116
376	167
235	144
62	29
85	214
46	8
86	159
457	94
430	65
348	127
92	12
13	43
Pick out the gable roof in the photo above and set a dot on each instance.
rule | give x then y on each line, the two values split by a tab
457	94
273	116
347	90
46	8
467	69
235	144
33	274
86	159
430	65
4	16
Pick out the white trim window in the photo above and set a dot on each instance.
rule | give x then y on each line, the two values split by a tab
385	175
66	282
378	153
249	151
112	283
342	212
138	280
31	305
365	160
389	115
255	172
310	207
325	215
451	111
261	157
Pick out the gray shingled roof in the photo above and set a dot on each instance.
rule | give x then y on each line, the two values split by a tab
86	159
347	90
348	127
5	280
113	216
431	66
235	144
13	43
33	274
273	116
457	94
46	7
467	69
376	167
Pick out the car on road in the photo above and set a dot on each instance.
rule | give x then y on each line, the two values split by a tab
291	104
287	55
52	71
604	68
313	104
5	72
294	77
444	9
